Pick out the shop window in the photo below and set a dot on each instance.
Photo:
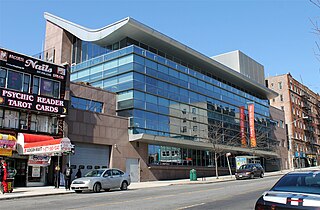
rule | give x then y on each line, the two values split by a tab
85	104
49	88
11	119
81	166
26	83
15	80
35	88
42	123
3	75
104	166
23	121
96	167
89	167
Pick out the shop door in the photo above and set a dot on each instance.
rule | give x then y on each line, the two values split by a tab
21	175
133	168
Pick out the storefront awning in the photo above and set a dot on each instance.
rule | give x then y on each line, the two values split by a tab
32	144
7	144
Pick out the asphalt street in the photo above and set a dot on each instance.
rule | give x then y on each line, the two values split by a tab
240	194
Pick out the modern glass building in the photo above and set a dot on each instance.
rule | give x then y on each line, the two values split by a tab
185	108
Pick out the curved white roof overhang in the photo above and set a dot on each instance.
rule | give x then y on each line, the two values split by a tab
128	27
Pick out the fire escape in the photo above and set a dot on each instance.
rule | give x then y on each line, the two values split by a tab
309	130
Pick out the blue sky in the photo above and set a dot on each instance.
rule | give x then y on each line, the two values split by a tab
277	34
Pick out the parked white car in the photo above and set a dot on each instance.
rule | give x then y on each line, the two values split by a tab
102	179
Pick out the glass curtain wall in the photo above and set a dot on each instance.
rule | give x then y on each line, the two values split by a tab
165	98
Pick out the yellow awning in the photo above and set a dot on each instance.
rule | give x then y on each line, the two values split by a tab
7	144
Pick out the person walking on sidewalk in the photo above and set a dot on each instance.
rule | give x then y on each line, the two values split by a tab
67	176
78	174
57	176
1	177
4	173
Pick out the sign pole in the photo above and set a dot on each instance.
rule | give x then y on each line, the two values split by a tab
227	155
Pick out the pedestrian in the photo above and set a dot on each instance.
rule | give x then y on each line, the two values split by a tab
4	177
67	176
1	177
78	174
57	176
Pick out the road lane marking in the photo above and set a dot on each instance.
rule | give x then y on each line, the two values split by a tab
194	205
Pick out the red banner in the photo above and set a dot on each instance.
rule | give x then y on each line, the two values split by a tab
253	142
242	128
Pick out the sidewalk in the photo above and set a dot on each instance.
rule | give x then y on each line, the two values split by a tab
23	192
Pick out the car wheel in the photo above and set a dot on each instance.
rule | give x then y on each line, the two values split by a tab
251	176
261	175
78	191
124	185
97	187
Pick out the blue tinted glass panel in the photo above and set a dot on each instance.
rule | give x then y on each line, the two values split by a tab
163	101
139	77
125	77
138	59
151	99
138	67
151	72
163	69
151	81
151	64
139	104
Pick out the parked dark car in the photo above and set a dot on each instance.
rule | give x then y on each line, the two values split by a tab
249	171
295	190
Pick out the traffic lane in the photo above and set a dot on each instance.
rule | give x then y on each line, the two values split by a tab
194	196
242	201
168	197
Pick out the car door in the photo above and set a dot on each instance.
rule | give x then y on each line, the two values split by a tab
107	180
254	170
116	178
259	169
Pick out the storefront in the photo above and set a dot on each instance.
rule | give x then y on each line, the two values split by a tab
7	145
15	162
41	149
312	159
32	101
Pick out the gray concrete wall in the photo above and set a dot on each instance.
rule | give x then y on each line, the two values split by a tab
243	64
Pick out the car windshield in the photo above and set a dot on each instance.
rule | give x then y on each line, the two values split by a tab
94	173
301	183
245	167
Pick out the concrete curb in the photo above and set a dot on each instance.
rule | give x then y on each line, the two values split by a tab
31	196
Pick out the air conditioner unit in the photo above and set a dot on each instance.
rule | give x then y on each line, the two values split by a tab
24	127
